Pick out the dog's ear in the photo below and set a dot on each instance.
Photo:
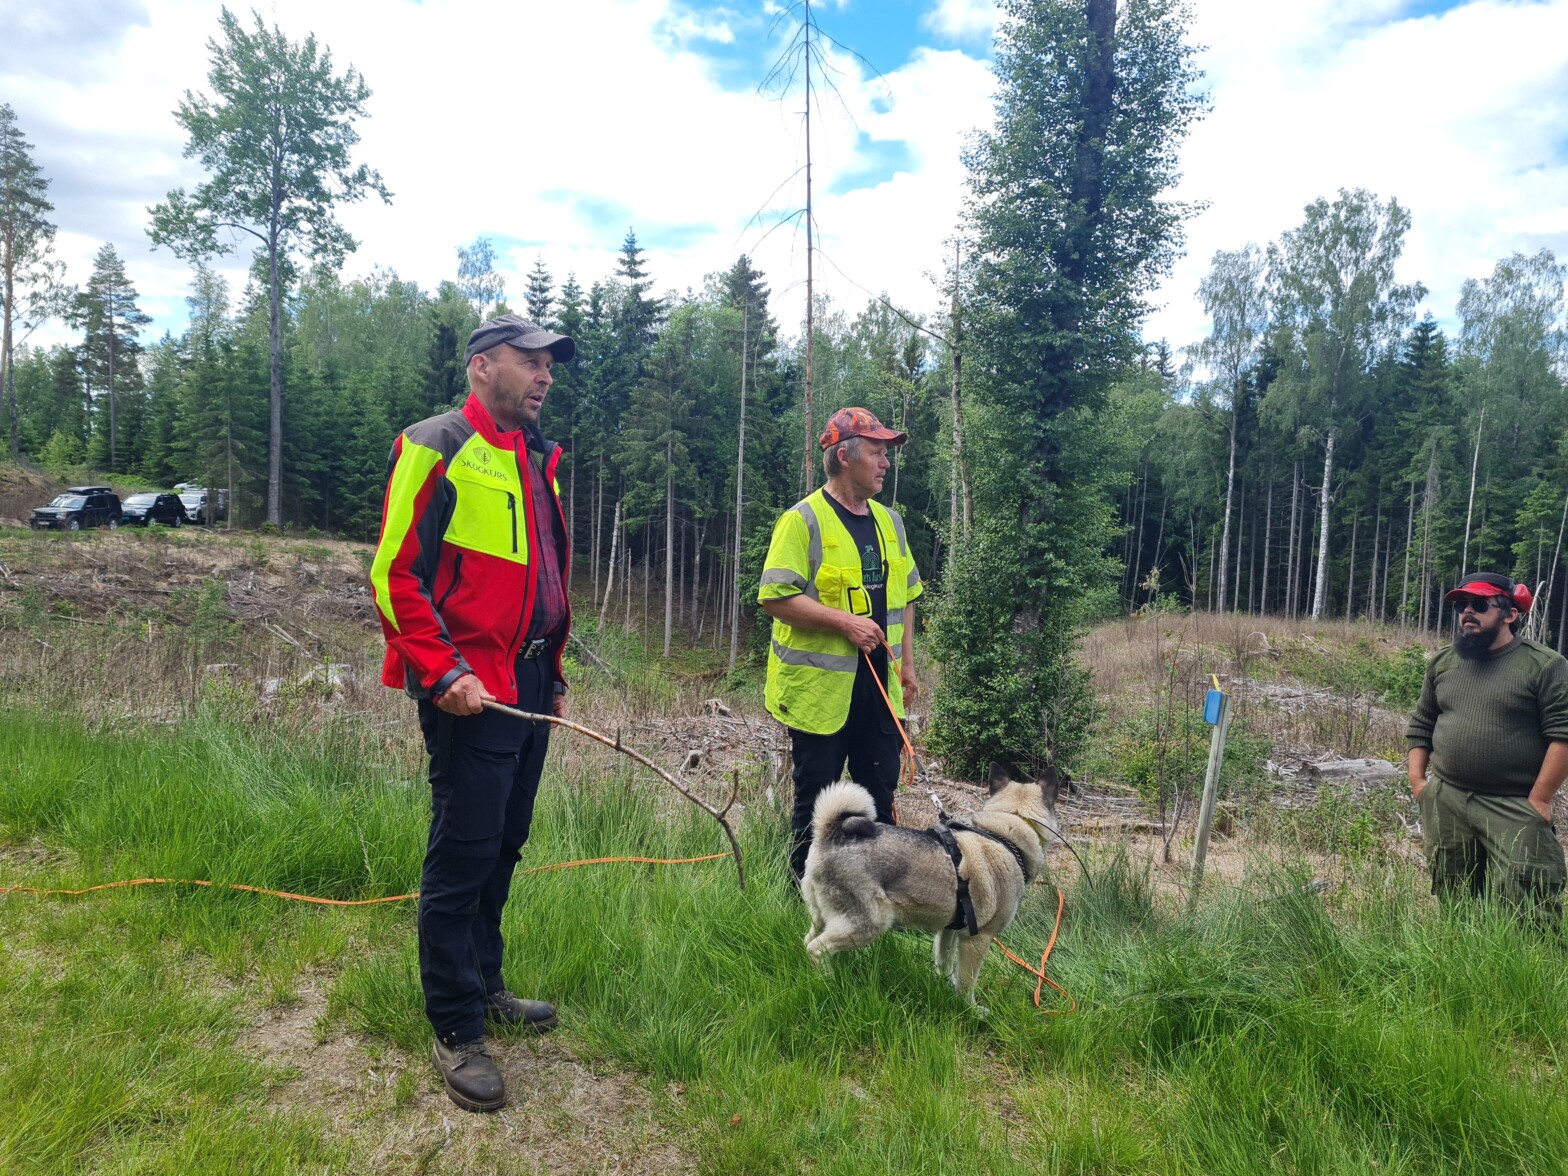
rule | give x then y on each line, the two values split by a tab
1050	781
1001	776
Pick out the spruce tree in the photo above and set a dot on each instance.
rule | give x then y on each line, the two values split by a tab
111	321
1072	230
537	295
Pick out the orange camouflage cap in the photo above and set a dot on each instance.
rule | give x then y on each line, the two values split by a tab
858	422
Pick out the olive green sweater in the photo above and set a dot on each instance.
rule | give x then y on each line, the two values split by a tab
1487	720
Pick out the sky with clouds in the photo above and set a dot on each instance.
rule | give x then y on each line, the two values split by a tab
553	128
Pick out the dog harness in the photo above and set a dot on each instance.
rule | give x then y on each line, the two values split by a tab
964	912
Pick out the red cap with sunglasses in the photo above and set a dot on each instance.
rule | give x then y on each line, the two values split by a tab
1481	585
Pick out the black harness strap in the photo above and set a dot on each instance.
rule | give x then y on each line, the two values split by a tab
964	915
964	912
1018	854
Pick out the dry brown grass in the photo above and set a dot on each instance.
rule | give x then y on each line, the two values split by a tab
1132	659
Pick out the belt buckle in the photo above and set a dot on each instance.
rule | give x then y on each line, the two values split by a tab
535	648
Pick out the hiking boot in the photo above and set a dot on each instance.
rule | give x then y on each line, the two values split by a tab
471	1077
513	1012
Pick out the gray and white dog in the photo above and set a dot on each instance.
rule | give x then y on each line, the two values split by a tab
863	878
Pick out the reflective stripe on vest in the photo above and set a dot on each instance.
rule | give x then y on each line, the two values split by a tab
818	661
813	548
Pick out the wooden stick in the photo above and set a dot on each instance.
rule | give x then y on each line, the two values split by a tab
718	815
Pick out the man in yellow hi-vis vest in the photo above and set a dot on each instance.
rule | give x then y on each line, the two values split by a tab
840	584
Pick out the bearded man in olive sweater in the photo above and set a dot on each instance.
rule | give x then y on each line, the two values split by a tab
1488	751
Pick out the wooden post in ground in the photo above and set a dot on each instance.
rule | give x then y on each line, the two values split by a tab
1211	788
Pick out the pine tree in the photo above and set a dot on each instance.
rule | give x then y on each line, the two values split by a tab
30	290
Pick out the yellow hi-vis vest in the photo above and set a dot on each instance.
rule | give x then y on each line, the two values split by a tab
810	673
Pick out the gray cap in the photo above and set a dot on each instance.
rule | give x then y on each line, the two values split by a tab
519	332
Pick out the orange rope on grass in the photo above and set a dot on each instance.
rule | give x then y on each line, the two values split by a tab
339	902
1061	901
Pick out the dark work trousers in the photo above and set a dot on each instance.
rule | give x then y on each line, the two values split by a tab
868	741
484	774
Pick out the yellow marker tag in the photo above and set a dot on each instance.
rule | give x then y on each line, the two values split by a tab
1215	678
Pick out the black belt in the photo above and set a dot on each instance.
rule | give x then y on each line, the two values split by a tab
533	649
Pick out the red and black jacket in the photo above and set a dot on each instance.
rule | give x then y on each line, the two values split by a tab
455	573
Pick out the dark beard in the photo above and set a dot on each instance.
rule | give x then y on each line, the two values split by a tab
1472	645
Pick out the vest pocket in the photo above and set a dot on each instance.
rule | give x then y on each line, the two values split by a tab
831	587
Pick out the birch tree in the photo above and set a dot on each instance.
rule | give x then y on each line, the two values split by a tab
1335	291
275	139
1233	297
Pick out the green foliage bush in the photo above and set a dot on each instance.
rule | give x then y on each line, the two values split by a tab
1357	824
1363	669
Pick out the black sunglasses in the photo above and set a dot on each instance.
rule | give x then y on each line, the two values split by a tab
1480	605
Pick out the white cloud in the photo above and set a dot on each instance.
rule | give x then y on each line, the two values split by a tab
962	20
1458	116
615	126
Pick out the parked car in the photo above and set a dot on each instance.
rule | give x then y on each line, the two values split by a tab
140	509
78	507
203	505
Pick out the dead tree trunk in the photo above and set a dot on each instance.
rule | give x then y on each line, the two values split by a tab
609	588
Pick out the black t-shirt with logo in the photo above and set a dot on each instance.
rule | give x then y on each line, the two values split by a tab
871	601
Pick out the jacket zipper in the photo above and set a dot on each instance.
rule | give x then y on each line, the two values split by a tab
511	505
457	572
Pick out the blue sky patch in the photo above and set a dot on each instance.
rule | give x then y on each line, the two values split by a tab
885	33
876	162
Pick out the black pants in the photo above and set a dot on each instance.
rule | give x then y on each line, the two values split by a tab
484	774
868	741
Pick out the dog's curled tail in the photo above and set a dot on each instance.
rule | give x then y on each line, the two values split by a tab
844	810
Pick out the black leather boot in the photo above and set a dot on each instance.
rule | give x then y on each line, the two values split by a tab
472	1079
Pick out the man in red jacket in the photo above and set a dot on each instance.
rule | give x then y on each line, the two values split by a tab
469	580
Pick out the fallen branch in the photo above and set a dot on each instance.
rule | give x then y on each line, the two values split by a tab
718	815
594	657
278	632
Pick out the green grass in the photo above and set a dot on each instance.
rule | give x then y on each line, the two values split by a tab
1364	667
1269	1033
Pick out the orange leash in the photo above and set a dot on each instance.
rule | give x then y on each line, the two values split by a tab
907	774
1061	902
340	902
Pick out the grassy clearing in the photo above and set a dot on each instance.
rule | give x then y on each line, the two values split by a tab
1269	1033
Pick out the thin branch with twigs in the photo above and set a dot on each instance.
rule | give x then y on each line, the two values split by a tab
718	814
